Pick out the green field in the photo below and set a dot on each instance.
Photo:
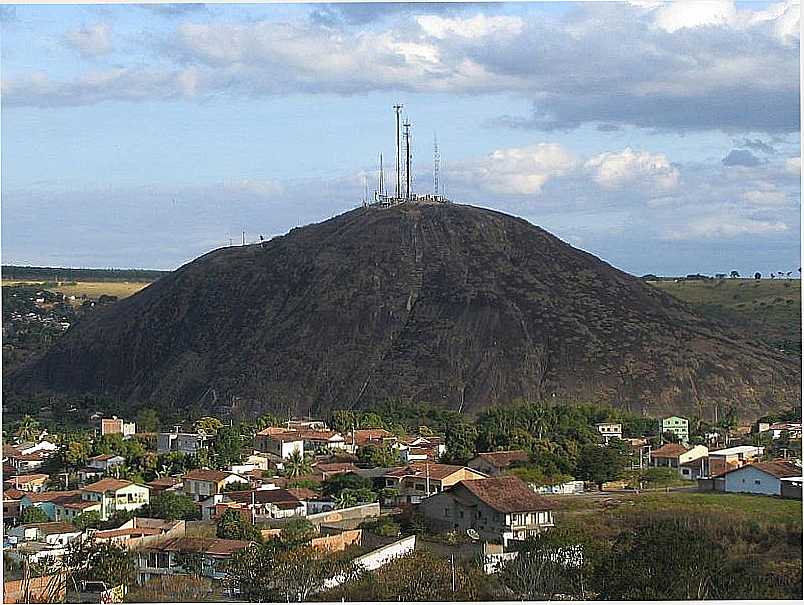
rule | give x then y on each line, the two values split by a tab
766	309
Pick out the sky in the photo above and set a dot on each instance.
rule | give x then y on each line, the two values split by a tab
661	137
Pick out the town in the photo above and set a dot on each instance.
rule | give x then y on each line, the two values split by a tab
131	508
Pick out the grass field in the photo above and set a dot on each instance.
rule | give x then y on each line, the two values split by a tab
769	309
120	289
739	507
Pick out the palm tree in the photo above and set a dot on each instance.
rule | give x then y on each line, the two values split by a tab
297	465
28	430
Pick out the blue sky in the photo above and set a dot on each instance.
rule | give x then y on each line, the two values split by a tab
662	137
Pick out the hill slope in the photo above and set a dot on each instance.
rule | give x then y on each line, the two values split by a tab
449	304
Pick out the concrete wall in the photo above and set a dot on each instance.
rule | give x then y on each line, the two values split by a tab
377	558
752	481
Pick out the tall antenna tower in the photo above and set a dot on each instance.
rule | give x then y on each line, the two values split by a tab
436	164
407	125
397	109
381	190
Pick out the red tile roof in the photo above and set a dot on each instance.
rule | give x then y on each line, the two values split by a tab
504	459
670	450
56	497
107	485
779	468
210	546
422	469
206	474
506	494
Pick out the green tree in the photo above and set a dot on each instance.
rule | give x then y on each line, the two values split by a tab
172	506
33	514
147	420
88	519
28	429
335	485
461	442
232	526
75	453
297	532
600	464
228	444
370	420
343	421
376	455
297	465
209	424
352	497
88	560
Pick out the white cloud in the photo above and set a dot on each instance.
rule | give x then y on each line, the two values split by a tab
613	170
793	165
672	16
724	227
765	199
91	41
518	171
479	26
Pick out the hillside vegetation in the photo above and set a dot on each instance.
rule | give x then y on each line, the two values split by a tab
766	309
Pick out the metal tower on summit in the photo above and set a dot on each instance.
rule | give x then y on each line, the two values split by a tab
404	172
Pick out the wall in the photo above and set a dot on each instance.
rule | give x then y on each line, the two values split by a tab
363	511
377	558
753	481
39	590
337	542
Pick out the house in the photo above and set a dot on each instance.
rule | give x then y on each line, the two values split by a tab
138	532
185	443
49	501
166	557
610	430
362	437
330	469
262	504
419	448
165	484
500	509
97	466
11	506
496	463
52	533
27	483
200	484
117	426
27	457
688	461
730	458
115	495
677	425
793	430
419	480
761	477
279	441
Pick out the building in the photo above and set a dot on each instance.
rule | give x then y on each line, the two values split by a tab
688	461
761	477
27	483
499	509
570	487
200	484
363	437
11	506
51	503
677	425
262	504
138	532
165	484
117	426
420	480
279	441
97	466
730	458
793	430
184	443
27	457
167	556
496	463
114	495
39	542
609	431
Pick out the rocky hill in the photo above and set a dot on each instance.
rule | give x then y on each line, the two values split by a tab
449	304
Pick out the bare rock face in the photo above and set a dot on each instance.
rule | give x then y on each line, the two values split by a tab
449	304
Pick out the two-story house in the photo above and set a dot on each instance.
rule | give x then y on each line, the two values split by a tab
499	509
677	425
27	483
117	426
421	479
168	557
184	443
279	441
609	431
115	495
690	462
200	484
720	461
97	466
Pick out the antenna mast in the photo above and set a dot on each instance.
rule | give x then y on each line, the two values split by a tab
407	159
397	109
436	164
382	184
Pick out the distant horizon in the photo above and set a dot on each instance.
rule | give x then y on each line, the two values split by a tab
662	138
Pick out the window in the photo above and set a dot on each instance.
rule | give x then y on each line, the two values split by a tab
757	482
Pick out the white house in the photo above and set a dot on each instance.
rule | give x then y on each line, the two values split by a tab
279	441
185	443
761	477
610	430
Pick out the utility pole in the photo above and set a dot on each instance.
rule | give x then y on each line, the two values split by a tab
244	238
406	125
397	109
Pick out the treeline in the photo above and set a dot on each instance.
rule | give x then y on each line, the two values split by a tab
72	274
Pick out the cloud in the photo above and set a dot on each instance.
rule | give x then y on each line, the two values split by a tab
757	145
793	166
613	170
725	227
741	157
517	171
173	10
91	41
260	188
764	199
668	67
